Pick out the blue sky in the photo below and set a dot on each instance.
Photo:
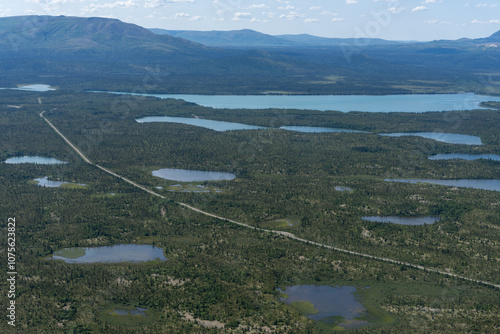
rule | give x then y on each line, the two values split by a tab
387	19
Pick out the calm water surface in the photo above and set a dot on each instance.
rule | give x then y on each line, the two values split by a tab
313	129
328	300
44	182
342	188
493	184
402	220
34	160
137	311
450	138
469	157
34	88
111	254
184	175
344	103
205	123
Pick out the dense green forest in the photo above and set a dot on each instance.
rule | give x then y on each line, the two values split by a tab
218	272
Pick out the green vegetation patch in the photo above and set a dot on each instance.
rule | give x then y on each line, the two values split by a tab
281	223
192	188
376	315
127	315
71	253
73	186
304	307
330	324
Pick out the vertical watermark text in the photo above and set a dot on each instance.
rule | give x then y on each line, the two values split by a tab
11	271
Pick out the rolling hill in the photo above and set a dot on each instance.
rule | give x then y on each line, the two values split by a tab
101	53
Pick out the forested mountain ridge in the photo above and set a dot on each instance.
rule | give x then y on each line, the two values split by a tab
108	54
53	37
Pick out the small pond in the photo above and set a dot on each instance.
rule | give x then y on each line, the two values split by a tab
184	175
35	88
493	184
110	254
137	311
326	303
342	188
204	123
461	156
34	160
45	182
450	138
313	129
402	220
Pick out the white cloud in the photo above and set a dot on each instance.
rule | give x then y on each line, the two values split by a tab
288	7
351	2
160	3
240	16
196	18
181	15
486	5
126	4
311	21
419	9
429	1
290	16
328	13
258	6
50	2
437	22
485	22
396	10
314	8
259	21
338	19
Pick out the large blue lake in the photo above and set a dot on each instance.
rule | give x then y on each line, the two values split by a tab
345	103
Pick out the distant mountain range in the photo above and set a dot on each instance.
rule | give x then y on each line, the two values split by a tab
247	38
89	38
101	53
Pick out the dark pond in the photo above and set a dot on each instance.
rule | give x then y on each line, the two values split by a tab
110	254
184	175
325	301
402	220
